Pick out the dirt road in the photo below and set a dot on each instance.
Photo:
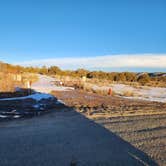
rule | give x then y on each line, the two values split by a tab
45	84
64	138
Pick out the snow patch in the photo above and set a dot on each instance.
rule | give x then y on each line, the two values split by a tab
16	116
59	102
36	96
3	116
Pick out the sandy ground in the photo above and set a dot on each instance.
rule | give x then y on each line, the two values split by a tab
64	138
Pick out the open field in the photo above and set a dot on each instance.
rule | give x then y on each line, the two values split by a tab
132	90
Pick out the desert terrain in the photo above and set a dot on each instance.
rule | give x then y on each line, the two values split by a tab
81	128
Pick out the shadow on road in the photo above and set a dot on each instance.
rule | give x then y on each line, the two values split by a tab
19	93
64	137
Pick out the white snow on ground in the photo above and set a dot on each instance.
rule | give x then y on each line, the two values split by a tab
142	92
16	116
3	116
45	84
42	87
59	102
36	96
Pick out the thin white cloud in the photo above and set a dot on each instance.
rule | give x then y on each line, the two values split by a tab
109	61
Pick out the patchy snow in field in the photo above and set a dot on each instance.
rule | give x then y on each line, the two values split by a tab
141	92
45	85
36	96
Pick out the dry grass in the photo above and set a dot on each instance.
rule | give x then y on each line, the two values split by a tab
30	77
156	84
105	82
125	114
128	93
81	85
8	83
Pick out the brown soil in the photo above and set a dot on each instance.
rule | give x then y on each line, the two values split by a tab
141	123
108	104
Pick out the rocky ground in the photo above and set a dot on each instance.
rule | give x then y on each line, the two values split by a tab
108	105
141	123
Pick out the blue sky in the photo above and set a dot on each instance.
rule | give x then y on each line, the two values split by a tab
41	31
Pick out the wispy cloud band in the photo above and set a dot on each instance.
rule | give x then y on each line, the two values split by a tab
108	61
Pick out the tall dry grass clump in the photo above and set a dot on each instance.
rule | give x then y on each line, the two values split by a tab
7	83
128	93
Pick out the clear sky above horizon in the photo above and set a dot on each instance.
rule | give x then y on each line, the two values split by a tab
50	29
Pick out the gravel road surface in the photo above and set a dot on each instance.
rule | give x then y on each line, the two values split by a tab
64	139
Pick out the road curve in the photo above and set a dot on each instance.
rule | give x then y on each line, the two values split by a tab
45	84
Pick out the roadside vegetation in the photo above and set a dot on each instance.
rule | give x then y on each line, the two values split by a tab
97	77
141	123
14	76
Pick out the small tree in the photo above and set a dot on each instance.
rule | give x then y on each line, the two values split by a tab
130	77
81	72
143	79
54	70
44	70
